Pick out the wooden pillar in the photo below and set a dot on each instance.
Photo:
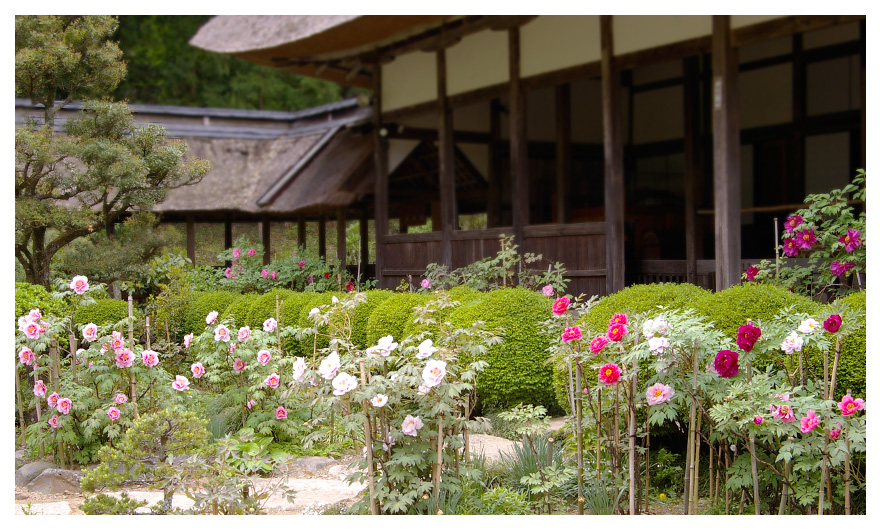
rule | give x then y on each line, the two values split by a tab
322	235
613	141
725	133
446	154
563	153
227	236
301	230
267	240
692	166
191	238
519	156
380	182
340	236
493	201
862	36
365	242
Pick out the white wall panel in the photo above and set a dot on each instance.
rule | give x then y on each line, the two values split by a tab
398	150
479	60
408	80
640	32
550	43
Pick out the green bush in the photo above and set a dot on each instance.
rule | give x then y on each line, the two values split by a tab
31	296
201	305
504	501
463	293
103	312
361	317
311	300
517	372
239	308
391	316
264	307
853	354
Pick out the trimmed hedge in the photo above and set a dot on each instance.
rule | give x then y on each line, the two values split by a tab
851	370
33	296
103	312
392	316
239	308
302	320
201	305
264	307
517	372
361	317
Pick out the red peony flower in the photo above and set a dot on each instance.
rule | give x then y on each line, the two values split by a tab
560	306
751	272
747	336
727	363
609	374
616	332
326	275
571	334
618	318
597	344
349	287
832	323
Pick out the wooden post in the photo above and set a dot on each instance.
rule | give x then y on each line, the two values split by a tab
73	345
340	236
563	153
446	154
301	230
380	183
578	404
862	56
191	238
267	239
519	156
374	509
322	235
493	201
364	227
613	141
692	173
725	128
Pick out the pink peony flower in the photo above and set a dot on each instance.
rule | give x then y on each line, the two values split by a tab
609	374
121	399
616	332
64	405
264	273
658	345
659	393
849	406
411	425
124	358
343	384
810	421
793	222
250	404
547	290
782	397
851	240
751	272
311	279
805	239
90	332
832	323
244	333
560	306
232	348
597	344
197	369
150	358
212	316
758	420
423	390
807	326
34	315
252	252
32	330
426	284
221	333
384	348
40	388
26	356
747	336
792	343
228	273
841	269
53	421
236	253
187	340
263	357
379	400
790	247
727	363
618	318
302	263
270	324
834	434
783	412
280	413
434	373
180	383
329	365
113	413
299	369
426	348
238	365
116	341
272	380
571	334
79	284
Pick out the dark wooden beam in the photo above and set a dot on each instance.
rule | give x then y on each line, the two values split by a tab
191	238
322	236
613	139
519	156
364	227
862	54
563	153
493	198
340	236
446	156
430	135
380	182
727	177
301	230
661	54
692	164
267	239
782	27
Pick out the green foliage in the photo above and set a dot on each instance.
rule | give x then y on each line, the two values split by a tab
240	308
103	504
31	296
102	312
851	371
391	316
517	372
360	319
263	307
201	305
504	501
667	475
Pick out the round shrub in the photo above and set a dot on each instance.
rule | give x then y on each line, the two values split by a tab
464	293
32	296
361	317
517	372
391	316
311	300
264	307
103	312
239	308
853	354
201	305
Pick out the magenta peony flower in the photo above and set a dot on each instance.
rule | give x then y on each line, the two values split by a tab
302	264
121	398
571	334
252	252
228	273
618	318
790	247
805	239
616	332
747	336
597	344
280	413
834	434
849	406
727	363
609	374
264	273
751	272
840	269
851	240
832	323
560	306
311	279
349	287
810	421
793	222
236	253
759	420
274	275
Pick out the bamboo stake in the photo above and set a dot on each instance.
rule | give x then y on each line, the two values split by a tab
278	306
615	461
438	466
55	370
580	442
847	508
757	493
825	449
633	507
647	462
73	361
834	369
689	460
550	464
132	379
786	472
598	431
695	476
711	467
374	509
726	489
20	403
571	394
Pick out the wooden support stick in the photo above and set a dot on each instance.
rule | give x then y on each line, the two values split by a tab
374	509
633	505
695	477
20	403
73	361
647	463
598	432
438	466
755	488
580	441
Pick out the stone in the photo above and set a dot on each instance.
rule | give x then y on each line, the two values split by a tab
340	472
29	472
308	493
313	463
46	508
56	482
